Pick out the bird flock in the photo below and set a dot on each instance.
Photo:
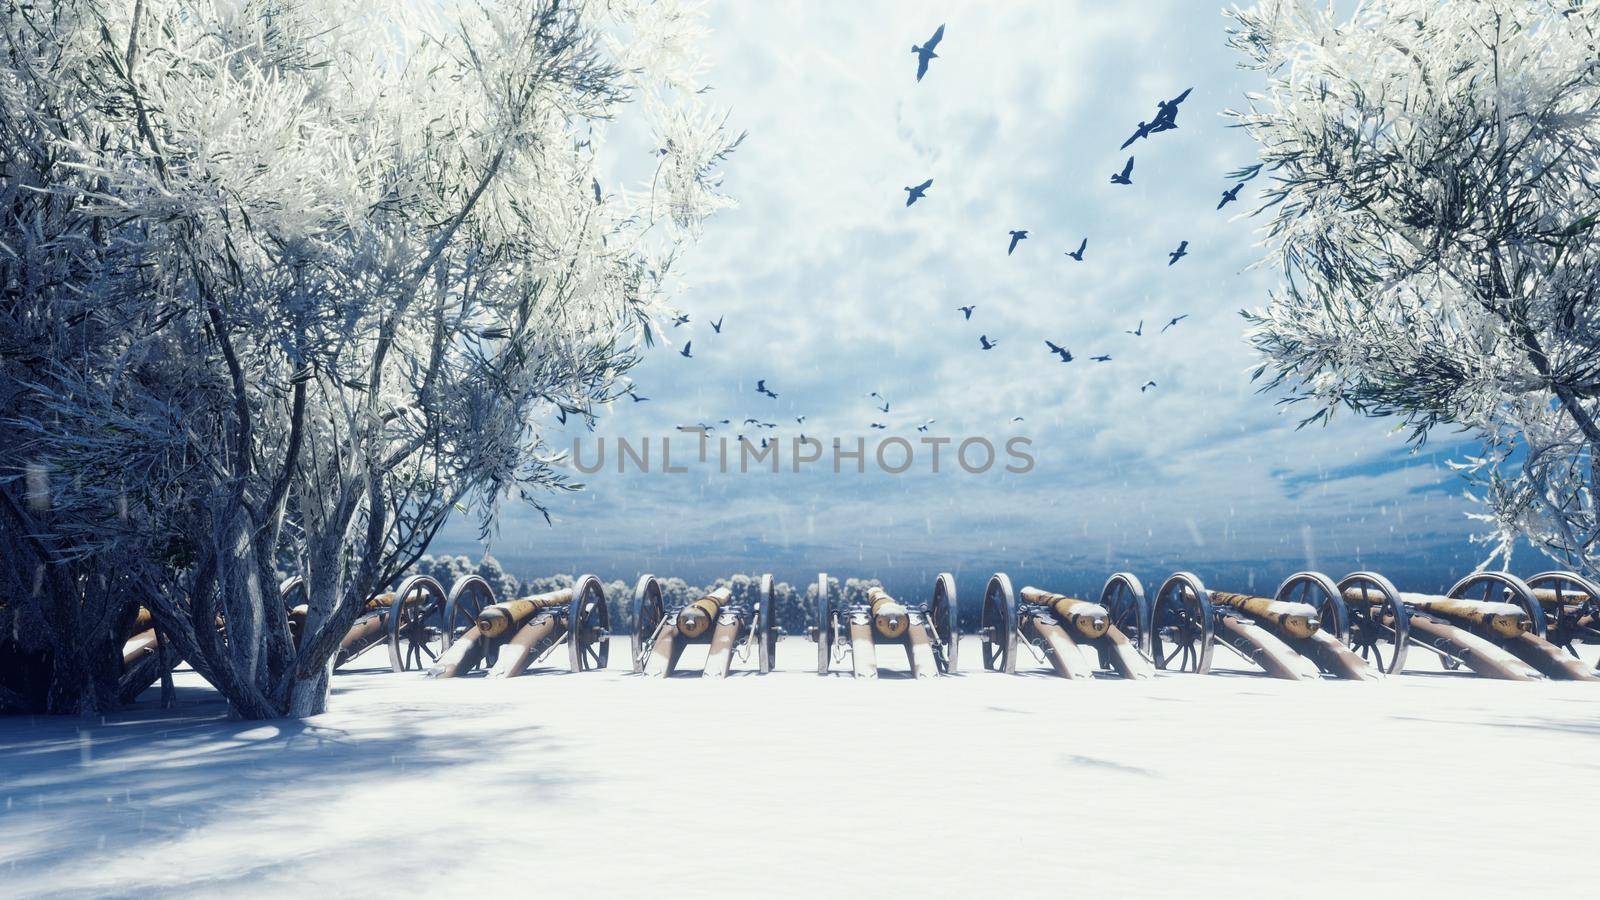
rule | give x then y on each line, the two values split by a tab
1165	119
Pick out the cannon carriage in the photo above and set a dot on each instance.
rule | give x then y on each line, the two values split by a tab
416	622
930	632
1285	635
726	625
1493	623
510	636
1060	630
1571	606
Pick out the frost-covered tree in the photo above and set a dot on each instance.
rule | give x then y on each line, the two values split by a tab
1435	190
288	283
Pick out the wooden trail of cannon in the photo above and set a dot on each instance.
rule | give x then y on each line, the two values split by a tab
512	635
728	626
929	632
1284	634
1500	633
1061	630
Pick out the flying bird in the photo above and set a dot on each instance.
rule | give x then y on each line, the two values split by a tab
983	339
1101	358
1146	386
1136	332
637	398
924	425
925	52
967	310
876	394
1078	253
750	422
1057	349
913	194
1180	253
1230	195
761	388
1174	320
680	320
561	416
800	420
1143	131
1167	112
1126	175
879	426
717	325
1016	238
685	351
1017	419
884	407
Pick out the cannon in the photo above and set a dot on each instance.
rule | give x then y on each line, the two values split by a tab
1285	634
727	626
1493	623
929	632
512	635
1571	606
418	621
1058	629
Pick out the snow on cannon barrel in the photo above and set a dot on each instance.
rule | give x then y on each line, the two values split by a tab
1285	634
928	631
729	626
1499	633
1058	629
510	636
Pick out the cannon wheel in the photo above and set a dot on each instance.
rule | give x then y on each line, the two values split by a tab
767	638
1569	587
648	611
943	614
1182	628
1380	615
469	597
588	626
1125	600
998	625
1319	592
409	628
1502	587
822	624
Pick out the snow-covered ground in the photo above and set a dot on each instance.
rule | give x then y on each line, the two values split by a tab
604	784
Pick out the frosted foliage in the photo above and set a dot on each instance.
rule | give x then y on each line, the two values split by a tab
298	279
1433	206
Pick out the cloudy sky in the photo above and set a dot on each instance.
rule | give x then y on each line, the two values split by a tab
830	288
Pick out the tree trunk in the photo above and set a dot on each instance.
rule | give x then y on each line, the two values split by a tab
309	697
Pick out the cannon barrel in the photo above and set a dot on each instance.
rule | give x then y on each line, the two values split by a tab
1296	619
889	616
1091	620
696	618
1568	598
499	618
1504	619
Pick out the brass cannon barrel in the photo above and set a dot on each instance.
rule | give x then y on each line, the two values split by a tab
1568	598
696	618
1504	619
1295	619
500	618
889	616
1091	620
